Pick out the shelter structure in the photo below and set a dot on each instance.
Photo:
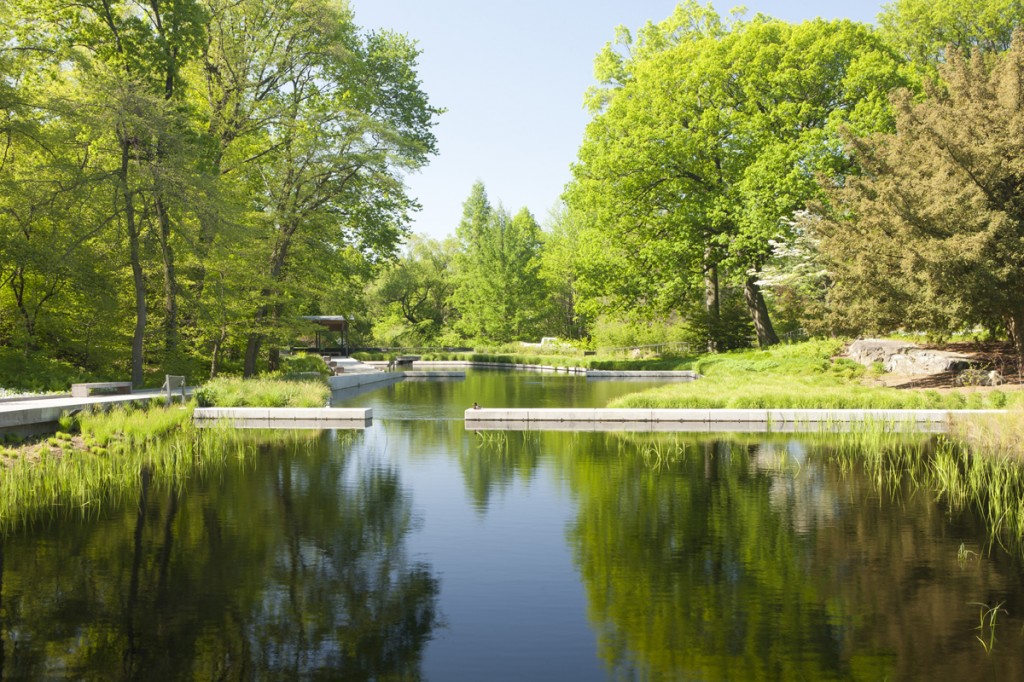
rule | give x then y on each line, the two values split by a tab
336	329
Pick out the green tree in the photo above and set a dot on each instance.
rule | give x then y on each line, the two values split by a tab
411	299
347	120
190	168
923	31
559	269
711	137
498	293
114	69
931	235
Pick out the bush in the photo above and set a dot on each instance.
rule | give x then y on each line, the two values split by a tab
304	362
37	373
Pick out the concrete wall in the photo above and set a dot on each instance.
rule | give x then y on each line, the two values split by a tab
713	420
286	417
361	379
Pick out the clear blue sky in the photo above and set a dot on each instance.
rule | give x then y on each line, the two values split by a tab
512	77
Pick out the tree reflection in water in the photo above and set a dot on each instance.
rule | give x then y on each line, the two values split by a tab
295	569
717	564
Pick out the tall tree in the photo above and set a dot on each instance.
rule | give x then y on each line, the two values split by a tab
560	273
923	31
347	119
411	298
712	138
122	60
499	293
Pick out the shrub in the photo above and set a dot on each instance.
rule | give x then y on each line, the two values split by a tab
304	363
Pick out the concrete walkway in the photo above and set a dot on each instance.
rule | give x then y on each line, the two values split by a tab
711	420
347	381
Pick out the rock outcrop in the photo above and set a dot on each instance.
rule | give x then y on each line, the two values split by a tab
903	357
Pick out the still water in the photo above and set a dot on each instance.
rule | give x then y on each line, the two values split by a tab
418	550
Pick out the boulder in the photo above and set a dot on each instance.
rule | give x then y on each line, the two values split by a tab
902	357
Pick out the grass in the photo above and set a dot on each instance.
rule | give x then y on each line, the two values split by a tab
803	375
996	434
263	392
97	467
987	483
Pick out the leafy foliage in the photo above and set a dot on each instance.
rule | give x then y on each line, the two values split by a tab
498	291
938	209
708	137
177	178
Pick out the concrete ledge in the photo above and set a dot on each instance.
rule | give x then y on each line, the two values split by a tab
354	380
286	417
244	423
712	420
685	375
418	374
499	365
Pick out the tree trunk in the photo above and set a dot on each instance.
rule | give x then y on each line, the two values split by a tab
136	261
252	352
759	313
712	304
215	353
277	260
18	289
1015	328
170	280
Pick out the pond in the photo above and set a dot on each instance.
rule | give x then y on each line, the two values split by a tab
418	550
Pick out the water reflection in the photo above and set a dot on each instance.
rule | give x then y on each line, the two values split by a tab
295	567
732	560
566	556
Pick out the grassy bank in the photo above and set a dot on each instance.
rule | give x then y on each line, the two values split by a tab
803	375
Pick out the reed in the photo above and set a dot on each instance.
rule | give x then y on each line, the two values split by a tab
96	470
999	434
987	617
263	392
964	478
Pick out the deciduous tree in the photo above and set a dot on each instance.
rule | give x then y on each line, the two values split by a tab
713	134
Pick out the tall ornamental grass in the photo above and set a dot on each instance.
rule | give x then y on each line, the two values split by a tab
72	475
263	392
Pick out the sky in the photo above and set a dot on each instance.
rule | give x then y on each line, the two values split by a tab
511	76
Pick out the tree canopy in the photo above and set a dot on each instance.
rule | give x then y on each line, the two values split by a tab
709	137
229	164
